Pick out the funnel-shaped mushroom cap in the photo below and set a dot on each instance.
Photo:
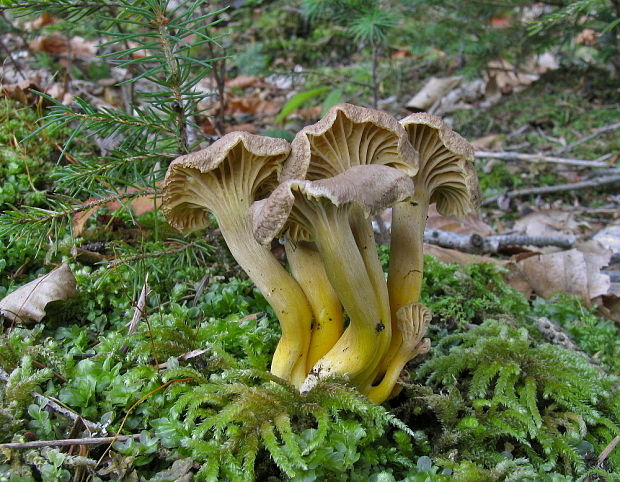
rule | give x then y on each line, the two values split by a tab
446	165
236	169
349	136
372	188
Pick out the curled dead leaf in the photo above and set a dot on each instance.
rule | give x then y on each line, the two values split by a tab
27	303
575	271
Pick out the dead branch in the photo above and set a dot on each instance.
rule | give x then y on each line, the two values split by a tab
93	427
518	156
591	183
607	450
597	132
69	441
474	243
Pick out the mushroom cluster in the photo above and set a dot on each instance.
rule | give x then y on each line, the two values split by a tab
338	313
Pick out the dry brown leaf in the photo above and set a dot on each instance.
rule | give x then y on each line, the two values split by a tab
139	205
576	271
242	82
587	37
609	237
251	105
58	44
490	142
40	22
27	303
507	78
401	53
251	128
434	89
454	256
80	47
548	224
472	224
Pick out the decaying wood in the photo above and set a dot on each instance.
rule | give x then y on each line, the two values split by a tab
519	156
474	243
596	182
597	132
93	427
607	450
69	441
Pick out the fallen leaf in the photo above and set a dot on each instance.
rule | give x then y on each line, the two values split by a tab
471	224
552	223
587	37
40	22
139	205
609	237
434	89
242	82
454	256
27	303
575	271
490	142
251	105
58	44
251	128
401	53
508	78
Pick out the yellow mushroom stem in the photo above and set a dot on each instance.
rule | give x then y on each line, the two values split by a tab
357	352
406	265
365	239
280	290
307	268
413	321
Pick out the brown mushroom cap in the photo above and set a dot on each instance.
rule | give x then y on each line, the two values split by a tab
446	164
239	165
371	188
349	136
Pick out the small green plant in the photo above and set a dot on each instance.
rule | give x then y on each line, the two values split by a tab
367	23
327	431
497	391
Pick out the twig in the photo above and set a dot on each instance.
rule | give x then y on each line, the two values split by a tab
474	243
69	441
607	128
93	427
518	156
76	208
596	182
185	356
607	450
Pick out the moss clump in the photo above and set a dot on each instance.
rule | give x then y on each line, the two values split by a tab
496	394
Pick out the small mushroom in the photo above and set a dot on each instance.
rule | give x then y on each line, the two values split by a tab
352	136
413	320
446	176
225	179
320	211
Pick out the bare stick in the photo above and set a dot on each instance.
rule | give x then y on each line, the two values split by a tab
518	156
93	427
474	243
69	441
607	450
607	128
596	182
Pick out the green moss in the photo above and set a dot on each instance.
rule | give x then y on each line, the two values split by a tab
496	390
24	164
